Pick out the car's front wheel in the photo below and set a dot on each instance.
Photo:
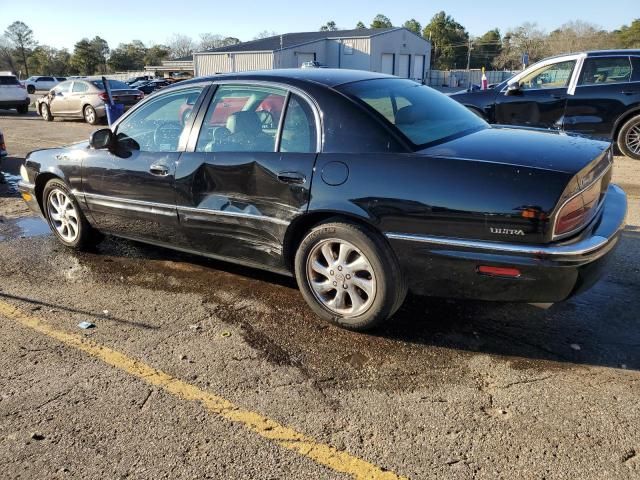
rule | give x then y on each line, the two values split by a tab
629	138
65	218
31	89
90	115
349	275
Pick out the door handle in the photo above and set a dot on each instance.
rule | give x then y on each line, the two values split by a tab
292	177
160	170
630	92
556	96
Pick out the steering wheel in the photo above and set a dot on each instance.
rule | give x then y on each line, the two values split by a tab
166	137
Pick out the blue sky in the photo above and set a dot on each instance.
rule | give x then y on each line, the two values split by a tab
60	24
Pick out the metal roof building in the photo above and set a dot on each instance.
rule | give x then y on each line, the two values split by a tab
396	51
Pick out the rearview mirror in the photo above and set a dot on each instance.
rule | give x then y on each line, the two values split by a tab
513	88
101	139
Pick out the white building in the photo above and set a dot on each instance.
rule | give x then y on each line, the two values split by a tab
396	51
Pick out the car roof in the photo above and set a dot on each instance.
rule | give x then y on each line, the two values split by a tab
601	53
330	77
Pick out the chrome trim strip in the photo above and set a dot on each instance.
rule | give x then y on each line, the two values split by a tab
144	206
580	248
223	213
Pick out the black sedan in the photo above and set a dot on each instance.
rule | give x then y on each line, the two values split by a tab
361	185
593	93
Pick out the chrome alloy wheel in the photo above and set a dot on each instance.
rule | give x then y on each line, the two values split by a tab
341	277
89	115
632	139
63	214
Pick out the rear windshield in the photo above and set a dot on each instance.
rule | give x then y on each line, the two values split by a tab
113	84
8	80
421	114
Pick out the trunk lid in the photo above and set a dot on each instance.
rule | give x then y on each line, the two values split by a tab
525	147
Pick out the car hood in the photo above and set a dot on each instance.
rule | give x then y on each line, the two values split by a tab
525	147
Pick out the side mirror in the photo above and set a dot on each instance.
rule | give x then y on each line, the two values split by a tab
101	139
513	88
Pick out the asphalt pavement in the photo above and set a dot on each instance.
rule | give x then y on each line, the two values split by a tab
200	369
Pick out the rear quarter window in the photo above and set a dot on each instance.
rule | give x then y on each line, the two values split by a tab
635	63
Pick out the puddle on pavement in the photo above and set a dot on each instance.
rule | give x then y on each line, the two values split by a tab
24	227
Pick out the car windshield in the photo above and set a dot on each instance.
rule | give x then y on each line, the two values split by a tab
421	114
113	84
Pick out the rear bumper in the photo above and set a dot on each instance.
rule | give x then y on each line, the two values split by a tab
15	103
448	267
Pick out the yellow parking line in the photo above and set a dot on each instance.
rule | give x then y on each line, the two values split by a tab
284	436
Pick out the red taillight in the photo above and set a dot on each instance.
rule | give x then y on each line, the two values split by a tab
499	271
103	96
578	211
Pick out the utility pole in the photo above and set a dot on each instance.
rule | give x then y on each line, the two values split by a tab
469	63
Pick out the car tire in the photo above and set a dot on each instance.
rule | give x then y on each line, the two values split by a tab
356	288
90	115
23	109
45	112
65	217
629	138
31	89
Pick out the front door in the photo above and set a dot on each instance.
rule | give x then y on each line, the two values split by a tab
77	98
130	189
540	101
244	182
60	96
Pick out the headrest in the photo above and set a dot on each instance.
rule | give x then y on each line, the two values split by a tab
244	122
407	115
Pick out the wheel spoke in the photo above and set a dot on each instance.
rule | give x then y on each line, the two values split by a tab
360	264
343	253
328	254
338	301
317	267
363	284
323	287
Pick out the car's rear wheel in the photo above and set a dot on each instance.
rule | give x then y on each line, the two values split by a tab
90	115
23	109
349	275
31	89
46	112
65	218
629	138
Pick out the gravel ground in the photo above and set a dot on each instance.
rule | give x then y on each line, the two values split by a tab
448	389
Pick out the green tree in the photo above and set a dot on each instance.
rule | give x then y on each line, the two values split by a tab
360	25
381	21
527	38
155	54
414	26
628	36
128	56
449	42
21	36
86	60
330	26
486	48
101	49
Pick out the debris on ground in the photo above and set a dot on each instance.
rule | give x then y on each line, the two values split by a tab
86	325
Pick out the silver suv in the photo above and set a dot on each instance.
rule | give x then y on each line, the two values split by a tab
13	94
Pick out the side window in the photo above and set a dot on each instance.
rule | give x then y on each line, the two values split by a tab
605	70
299	128
242	118
45	79
79	87
157	126
63	87
556	75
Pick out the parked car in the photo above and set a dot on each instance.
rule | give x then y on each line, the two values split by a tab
367	185
148	87
132	80
312	64
592	93
33	84
84	98
13	94
3	146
